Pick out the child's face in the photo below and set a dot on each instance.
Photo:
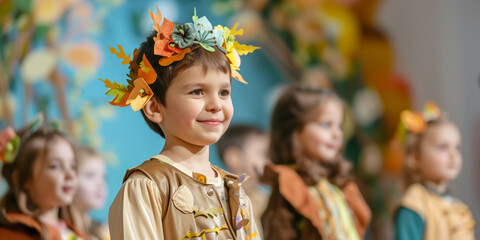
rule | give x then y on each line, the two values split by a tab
322	138
198	107
92	188
439	158
54	181
254	153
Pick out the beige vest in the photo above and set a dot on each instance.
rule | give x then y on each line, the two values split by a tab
444	219
189	205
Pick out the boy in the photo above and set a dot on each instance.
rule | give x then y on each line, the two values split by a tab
244	149
180	79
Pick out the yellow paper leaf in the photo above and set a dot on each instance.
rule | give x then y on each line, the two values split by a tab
121	54
234	31
243	49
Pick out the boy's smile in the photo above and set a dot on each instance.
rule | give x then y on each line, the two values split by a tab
198	107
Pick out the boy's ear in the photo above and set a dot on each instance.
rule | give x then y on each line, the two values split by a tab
153	110
231	157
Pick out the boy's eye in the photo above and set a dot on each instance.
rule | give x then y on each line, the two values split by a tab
225	93
196	92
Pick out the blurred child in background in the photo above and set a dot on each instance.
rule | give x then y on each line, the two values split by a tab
244	149
313	196
91	193
432	159
42	182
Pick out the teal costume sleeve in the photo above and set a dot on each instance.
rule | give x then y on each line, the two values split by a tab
408	225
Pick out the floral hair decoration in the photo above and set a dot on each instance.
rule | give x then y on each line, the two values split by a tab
416	123
10	141
9	145
172	42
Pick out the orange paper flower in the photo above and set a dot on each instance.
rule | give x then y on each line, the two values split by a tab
140	94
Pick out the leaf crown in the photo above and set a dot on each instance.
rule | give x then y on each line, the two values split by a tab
172	42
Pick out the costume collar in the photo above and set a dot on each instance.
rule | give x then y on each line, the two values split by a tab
217	181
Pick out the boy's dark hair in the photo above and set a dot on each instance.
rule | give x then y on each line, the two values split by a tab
235	136
215	60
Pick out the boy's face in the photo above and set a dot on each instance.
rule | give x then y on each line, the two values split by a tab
198	107
255	155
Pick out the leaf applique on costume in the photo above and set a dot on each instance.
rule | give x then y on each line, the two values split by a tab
242	178
242	223
209	212
120	91
190	235
183	200
120	54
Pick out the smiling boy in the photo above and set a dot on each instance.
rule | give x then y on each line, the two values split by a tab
181	80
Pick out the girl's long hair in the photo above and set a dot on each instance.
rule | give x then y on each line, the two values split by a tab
33	147
298	105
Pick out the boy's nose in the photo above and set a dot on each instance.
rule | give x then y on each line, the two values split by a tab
213	105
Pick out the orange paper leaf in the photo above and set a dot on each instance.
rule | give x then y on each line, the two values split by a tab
156	19
147	72
412	121
176	57
121	54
